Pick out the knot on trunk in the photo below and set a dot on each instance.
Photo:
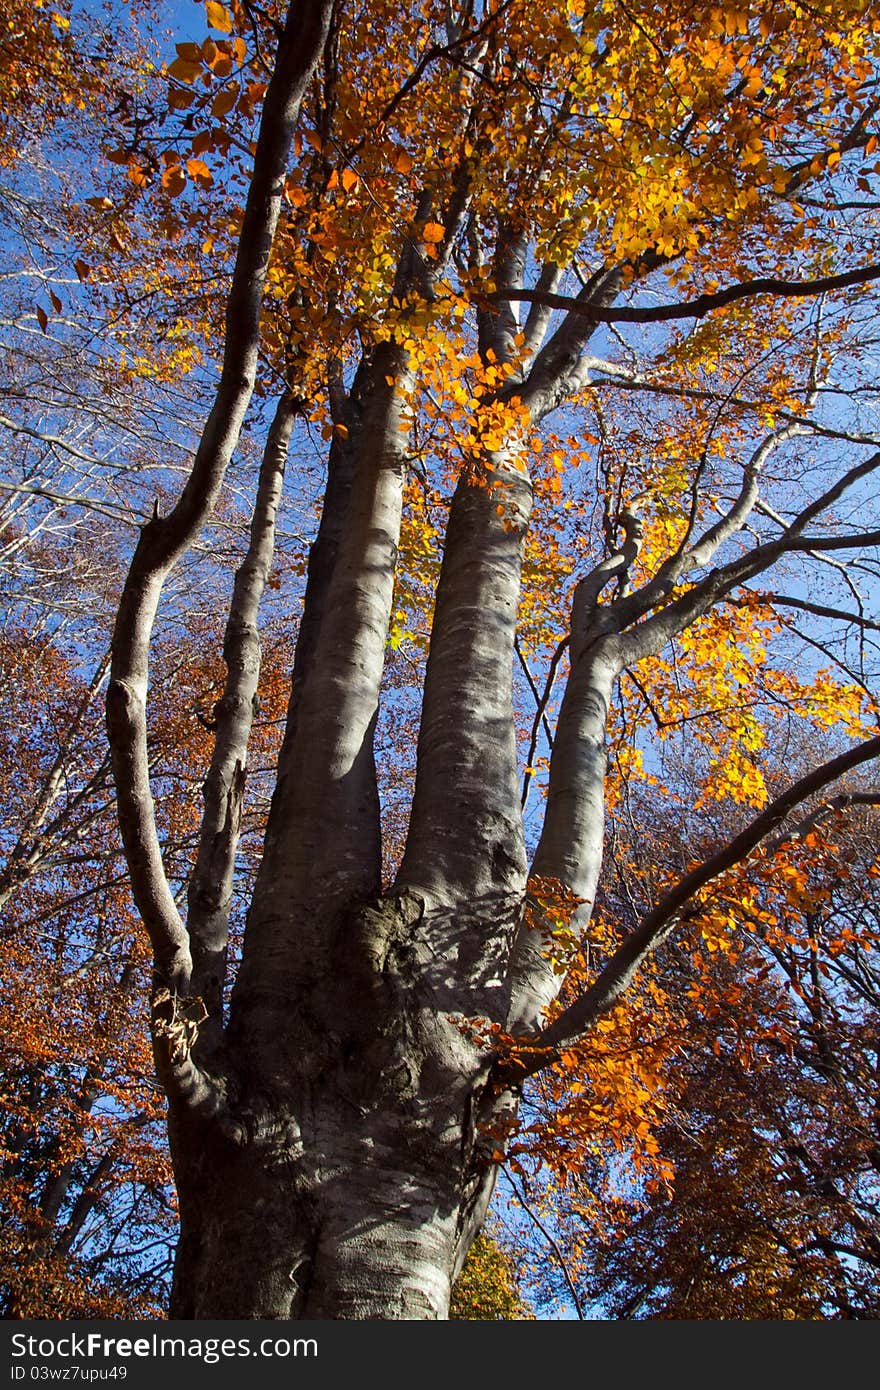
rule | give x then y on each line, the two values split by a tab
371	942
176	1020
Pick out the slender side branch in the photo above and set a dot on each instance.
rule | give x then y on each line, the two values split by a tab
678	904
210	887
704	303
542	699
25	854
705	549
648	636
164	540
822	611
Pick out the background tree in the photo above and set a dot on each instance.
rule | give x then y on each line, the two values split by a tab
744	1186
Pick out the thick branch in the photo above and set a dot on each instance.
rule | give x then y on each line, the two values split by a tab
322	848
558	370
465	839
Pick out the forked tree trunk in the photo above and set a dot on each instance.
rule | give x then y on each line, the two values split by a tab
350	1168
334	1138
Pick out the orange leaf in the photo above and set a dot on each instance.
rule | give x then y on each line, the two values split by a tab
200	172
433	232
174	180
183	70
223	103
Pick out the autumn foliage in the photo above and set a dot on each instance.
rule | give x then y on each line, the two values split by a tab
608	270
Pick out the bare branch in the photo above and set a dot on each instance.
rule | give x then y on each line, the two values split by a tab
821	611
210	888
584	308
647	637
541	702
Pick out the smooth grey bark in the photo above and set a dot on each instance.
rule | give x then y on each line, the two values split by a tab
571	844
210	885
465	840
322	846
335	1183
164	539
343	1158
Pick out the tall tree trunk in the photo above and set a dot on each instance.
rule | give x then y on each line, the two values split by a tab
340	1180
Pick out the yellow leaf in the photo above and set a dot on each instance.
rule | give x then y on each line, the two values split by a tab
218	17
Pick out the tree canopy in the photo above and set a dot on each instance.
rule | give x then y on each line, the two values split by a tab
446	438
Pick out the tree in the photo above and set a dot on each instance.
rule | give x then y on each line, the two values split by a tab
750	1192
337	1119
486	1289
